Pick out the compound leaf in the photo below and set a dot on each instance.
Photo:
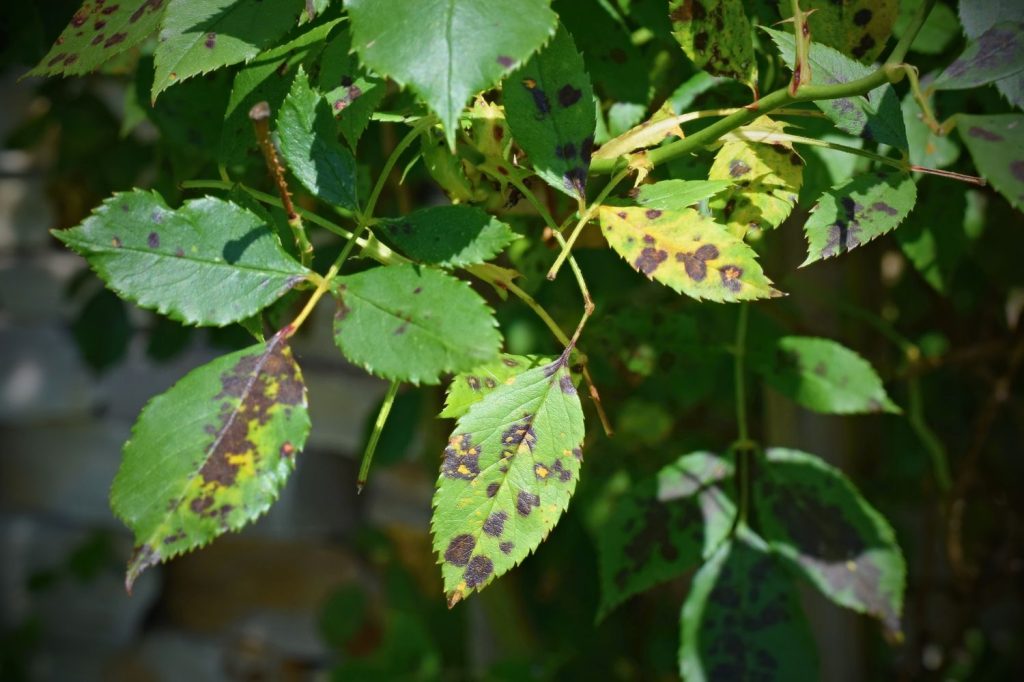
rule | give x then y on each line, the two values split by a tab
716	36
449	236
448	50
996	144
856	211
409	323
664	527
994	55
686	251
210	262
509	470
853	27
212	453
812	515
673	195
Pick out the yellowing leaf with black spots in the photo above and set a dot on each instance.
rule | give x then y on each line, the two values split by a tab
858	28
687	251
212	453
509	470
766	179
715	35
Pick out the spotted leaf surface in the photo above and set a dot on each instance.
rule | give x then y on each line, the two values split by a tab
858	28
409	323
450	236
766	180
664	527
549	103
309	144
994	55
98	31
858	210
673	195
875	117
448	50
996	144
811	514
160	258
715	35
742	619
686	251
352	92
198	36
822	375
979	16
212	453
471	387
508	472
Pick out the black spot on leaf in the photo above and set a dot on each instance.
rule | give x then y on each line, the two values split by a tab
495	524
479	570
525	502
459	550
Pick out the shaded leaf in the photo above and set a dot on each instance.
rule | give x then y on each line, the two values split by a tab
995	54
673	195
664	527
812	514
939	29
821	375
448	50
859	28
309	144
97	32
471	387
934	239
686	251
926	148
160	258
977	17
509	470
715	35
212	453
549	104
450	236
856	211
742	619
352	92
996	144
409	323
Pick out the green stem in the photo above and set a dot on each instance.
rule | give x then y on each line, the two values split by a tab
584	219
389	165
378	428
738	374
936	450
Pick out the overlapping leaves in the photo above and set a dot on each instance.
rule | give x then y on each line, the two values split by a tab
716	36
449	236
859	28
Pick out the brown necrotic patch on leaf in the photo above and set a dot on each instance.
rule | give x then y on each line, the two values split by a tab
506	547
495	524
565	383
478	571
568	95
525	502
519	435
492	489
649	260
982	134
461	458
460	549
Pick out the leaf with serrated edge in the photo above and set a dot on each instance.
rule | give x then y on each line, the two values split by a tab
856	211
715	35
448	50
996	144
976	17
686	251
859	28
811	514
996	54
822	375
742	619
98	32
450	236
472	386
669	195
409	323
162	259
198	36
664	527
212	453
509	470
352	92
549	105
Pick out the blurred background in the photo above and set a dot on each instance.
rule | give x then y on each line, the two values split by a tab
331	583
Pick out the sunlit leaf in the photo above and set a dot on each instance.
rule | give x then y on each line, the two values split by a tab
550	108
858	210
509	470
450	236
672	195
686	251
471	387
160	258
812	514
859	28
996	144
409	323
211	454
664	527
716	36
995	54
352	92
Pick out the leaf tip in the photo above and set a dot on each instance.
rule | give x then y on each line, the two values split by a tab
454	598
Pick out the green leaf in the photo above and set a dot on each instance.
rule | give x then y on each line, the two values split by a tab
212	453
856	211
742	619
470	387
822	375
935	239
449	236
309	144
409	323
766	180
853	27
939	29
875	117
209	262
716	36
664	527
977	17
996	144
812	514
926	148
683	97
549	104
98	32
198	36
510	467
352	92
686	251
995	54
448	50
673	195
